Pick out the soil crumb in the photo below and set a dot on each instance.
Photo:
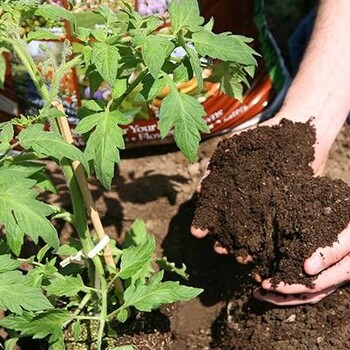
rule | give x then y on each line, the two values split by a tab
261	199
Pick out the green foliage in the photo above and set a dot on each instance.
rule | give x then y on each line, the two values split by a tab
20	212
66	285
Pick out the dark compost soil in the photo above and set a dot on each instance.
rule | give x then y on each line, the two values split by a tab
261	199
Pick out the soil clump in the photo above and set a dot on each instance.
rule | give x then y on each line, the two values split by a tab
261	199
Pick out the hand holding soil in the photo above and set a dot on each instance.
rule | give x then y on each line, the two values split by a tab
261	201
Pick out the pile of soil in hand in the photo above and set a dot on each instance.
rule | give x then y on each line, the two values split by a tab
261	199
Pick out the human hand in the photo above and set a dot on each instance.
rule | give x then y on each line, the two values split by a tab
331	264
324	284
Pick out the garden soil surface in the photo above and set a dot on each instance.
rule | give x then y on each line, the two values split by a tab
161	188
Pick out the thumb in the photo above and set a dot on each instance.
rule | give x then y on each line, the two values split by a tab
328	256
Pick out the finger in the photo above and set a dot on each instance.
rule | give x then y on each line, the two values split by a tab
290	300
285	288
220	249
198	232
334	275
325	257
244	259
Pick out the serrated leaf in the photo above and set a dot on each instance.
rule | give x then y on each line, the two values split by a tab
44	182
185	14
39	326
16	296
180	74
232	87
137	234
7	263
152	87
21	213
35	276
166	265
104	142
65	285
185	114
119	88
147	297
51	144
6	134
155	50
105	57
196	66
135	258
224	46
55	12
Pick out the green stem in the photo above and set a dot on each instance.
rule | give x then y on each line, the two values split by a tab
103	317
24	157
87	244
131	87
28	62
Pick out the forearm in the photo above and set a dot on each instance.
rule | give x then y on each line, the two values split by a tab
321	88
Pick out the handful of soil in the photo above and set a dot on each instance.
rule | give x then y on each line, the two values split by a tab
261	199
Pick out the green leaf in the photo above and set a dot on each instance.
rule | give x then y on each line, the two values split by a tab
122	316
16	296
135	258
2	67
224	46
65	285
50	144
21	213
105	57
44	182
125	347
155	50
119	88
181	74
7	263
55	13
137	235
152	87
166	265
76	330
104	142
36	276
10	344
42	252
6	136
147	297
41	34
196	66
185	14
186	114
39	326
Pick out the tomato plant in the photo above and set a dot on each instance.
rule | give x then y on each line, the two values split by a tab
128	51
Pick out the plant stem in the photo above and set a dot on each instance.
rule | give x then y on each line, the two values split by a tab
83	185
103	317
131	87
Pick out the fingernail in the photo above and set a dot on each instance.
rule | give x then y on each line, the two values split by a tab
315	265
